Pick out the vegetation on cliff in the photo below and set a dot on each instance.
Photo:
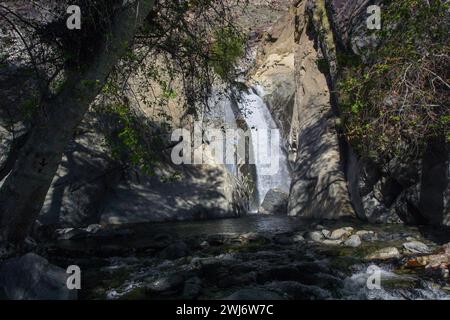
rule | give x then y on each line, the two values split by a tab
395	100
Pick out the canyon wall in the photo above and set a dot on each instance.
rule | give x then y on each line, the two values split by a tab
330	180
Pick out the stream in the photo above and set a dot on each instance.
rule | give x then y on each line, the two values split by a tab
254	257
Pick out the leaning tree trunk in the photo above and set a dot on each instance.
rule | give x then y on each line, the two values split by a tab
23	192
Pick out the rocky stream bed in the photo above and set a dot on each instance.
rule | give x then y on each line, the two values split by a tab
255	257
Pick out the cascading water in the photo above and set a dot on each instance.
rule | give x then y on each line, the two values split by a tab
270	159
265	150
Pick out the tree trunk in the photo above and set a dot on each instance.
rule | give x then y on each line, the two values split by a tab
434	182
23	192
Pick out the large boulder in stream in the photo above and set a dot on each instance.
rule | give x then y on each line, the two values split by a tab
275	202
32	277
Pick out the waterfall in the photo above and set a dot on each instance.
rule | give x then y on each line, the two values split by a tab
268	152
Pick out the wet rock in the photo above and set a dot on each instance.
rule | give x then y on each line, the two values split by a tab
192	288
341	233
250	237
326	233
93	228
330	242
369	237
298	238
430	261
254	294
416	247
364	232
221	239
171	282
70	233
174	251
384	254
446	248
275	202
354	241
316	236
32	277
204	244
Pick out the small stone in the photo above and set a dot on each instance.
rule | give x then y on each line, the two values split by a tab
70	233
326	233
446	248
315	236
354	241
369	237
364	232
93	228
329	242
384	254
339	234
416	247
166	283
204	244
249	236
298	238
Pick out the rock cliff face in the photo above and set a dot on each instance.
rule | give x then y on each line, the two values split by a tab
319	186
416	192
329	179
299	96
90	187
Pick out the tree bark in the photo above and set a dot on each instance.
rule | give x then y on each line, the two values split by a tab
23	192
434	182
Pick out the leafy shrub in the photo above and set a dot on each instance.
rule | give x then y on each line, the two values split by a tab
396	101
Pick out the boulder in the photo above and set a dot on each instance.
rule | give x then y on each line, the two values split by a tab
384	254
32	277
342	233
275	202
354	241
316	236
416	247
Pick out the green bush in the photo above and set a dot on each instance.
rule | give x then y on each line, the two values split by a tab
396	101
